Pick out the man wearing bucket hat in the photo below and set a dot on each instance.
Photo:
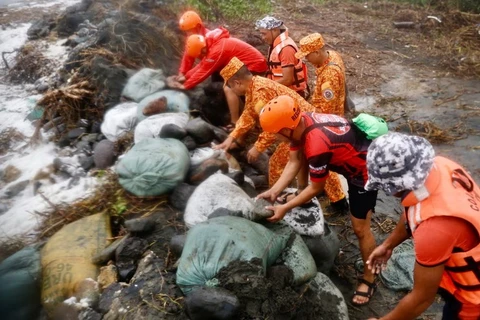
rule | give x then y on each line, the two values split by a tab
442	214
327	142
283	66
258	91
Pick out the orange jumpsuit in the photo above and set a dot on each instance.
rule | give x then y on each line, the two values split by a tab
329	97
261	91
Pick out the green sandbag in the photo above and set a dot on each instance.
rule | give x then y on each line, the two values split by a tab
20	285
215	243
153	167
298	258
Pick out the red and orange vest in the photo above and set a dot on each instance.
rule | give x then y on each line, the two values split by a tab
275	66
450	191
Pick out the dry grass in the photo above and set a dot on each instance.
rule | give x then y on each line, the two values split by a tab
110	197
433	133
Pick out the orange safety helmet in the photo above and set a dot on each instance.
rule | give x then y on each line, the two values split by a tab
189	20
280	112
195	44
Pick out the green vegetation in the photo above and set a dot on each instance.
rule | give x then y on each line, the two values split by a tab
214	10
462	5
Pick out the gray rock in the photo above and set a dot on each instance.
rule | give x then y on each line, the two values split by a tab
86	162
139	225
108	295
75	133
41	28
89	314
52	123
91	137
16	188
177	243
189	143
173	131
259	212
324	249
42	87
180	195
83	147
95	127
200	131
211	303
109	252
104	154
127	255
70	166
208	167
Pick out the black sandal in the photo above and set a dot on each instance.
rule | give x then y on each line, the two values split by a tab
372	287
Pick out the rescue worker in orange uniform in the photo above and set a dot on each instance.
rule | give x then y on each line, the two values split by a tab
283	66
328	97
326	142
215	55
442	214
258	91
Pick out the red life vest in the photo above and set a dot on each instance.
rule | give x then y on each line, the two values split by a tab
450	191
275	66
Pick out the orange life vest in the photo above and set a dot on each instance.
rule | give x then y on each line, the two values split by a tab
275	66
450	191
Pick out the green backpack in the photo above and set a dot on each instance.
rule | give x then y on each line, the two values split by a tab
372	126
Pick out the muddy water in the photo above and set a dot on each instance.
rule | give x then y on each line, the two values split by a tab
448	103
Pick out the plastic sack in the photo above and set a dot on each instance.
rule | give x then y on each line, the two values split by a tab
398	275
177	101
152	126
199	155
153	167
20	290
218	191
144	83
215	243
299	259
372	126
66	258
329	299
119	120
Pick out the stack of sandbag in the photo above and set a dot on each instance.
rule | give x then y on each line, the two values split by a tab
67	258
218	242
119	120
143	83
153	167
20	276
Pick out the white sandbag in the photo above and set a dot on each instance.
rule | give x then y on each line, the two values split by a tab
306	221
119	120
177	101
199	155
151	127
218	191
144	83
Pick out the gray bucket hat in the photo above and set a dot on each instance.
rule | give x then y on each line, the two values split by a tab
398	162
268	23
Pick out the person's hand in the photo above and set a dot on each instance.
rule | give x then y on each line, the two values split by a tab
268	195
225	145
278	213
377	261
172	82
180	78
252	155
